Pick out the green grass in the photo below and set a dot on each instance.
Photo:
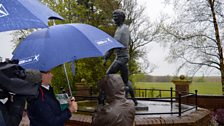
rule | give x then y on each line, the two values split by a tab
210	88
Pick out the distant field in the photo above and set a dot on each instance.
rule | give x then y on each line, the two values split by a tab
211	88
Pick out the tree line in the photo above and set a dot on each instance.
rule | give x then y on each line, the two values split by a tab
169	78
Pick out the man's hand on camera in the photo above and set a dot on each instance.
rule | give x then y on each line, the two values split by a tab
73	106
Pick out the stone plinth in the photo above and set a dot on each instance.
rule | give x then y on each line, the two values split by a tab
182	85
201	117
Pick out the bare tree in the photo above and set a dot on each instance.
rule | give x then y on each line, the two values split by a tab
142	33
196	35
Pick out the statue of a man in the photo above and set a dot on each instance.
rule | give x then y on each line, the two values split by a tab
122	35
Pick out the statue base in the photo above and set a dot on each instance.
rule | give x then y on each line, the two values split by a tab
141	107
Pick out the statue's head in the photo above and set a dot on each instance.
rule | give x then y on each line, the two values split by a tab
118	16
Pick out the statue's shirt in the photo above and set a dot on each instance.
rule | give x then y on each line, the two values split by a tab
122	35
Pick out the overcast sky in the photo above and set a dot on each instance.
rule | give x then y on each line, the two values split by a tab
156	54
6	45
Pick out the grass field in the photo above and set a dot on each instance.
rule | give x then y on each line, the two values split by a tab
211	88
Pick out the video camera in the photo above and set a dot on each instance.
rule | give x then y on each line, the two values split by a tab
14	87
12	70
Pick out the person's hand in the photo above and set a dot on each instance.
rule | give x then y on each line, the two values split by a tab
104	62
73	106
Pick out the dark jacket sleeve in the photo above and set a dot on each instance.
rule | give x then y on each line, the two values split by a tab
47	114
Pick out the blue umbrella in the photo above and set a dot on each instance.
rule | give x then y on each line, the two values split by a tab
50	47
24	14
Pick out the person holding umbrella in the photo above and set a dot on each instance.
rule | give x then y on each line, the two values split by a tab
122	54
45	110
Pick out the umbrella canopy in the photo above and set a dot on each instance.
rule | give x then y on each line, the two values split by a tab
24	14
50	47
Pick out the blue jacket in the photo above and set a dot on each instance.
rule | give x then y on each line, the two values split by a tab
46	111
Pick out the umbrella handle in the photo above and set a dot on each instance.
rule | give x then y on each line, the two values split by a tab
66	74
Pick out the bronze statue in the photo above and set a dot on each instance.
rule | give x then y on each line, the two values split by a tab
122	35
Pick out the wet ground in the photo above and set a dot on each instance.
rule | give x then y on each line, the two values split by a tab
152	108
161	108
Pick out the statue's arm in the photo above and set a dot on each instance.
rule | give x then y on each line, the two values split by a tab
108	54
